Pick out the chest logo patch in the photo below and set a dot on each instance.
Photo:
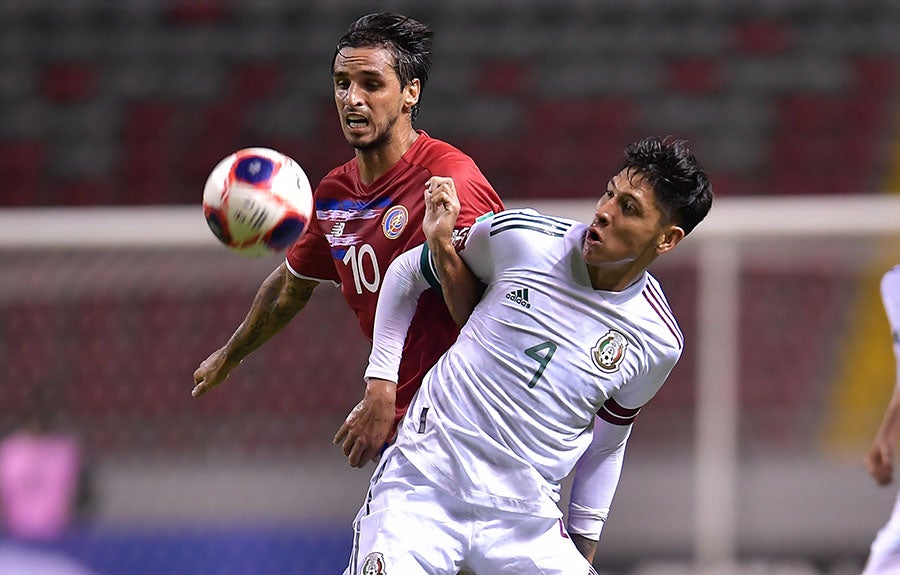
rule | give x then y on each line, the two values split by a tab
609	351
394	222
374	565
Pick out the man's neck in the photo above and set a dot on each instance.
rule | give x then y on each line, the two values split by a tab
376	162
616	278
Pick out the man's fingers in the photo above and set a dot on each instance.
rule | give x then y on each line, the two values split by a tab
439	200
360	455
357	452
355	456
341	433
199	389
347	445
439	186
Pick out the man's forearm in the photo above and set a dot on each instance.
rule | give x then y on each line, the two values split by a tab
277	301
461	288
586	546
890	423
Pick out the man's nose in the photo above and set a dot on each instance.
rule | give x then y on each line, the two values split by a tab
354	94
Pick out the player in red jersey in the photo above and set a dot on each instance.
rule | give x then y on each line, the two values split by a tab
368	211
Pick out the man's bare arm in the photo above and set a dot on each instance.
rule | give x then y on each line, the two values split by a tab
277	301
461	289
586	546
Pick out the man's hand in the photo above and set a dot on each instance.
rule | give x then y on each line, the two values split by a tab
441	210
368	427
212	371
879	458
878	461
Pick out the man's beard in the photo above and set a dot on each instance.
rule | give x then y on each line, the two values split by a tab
380	141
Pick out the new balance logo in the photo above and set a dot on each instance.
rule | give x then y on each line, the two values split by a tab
520	296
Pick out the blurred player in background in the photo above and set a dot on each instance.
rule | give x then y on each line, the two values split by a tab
44	486
885	554
368	211
571	338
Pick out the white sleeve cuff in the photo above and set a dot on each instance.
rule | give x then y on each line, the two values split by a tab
585	521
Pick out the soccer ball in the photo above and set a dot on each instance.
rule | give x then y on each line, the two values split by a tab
257	201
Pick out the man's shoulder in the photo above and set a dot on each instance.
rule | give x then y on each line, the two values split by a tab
522	234
435	153
659	321
530	220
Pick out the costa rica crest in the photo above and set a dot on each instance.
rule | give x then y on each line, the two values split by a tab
609	351
394	222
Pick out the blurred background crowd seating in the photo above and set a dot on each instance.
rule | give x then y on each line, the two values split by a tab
131	102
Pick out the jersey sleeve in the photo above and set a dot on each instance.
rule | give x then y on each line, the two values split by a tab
477	199
404	282
599	468
890	297
406	278
639	388
596	479
310	256
474	248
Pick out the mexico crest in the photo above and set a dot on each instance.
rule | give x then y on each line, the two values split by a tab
394	222
373	565
609	351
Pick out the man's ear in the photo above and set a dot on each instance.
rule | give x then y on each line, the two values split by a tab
669	238
411	94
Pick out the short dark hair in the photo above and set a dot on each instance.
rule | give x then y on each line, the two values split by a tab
683	189
410	42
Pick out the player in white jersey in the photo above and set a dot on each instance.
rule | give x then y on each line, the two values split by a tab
884	557
571	337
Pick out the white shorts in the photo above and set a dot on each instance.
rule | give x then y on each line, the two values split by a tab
408	526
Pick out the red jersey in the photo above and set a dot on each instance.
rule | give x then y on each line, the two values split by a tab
359	229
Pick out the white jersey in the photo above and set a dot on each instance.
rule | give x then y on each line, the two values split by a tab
506	413
890	296
884	556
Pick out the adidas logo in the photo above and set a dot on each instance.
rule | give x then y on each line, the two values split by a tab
519	296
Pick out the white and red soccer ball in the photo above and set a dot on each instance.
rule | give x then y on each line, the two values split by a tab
257	201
